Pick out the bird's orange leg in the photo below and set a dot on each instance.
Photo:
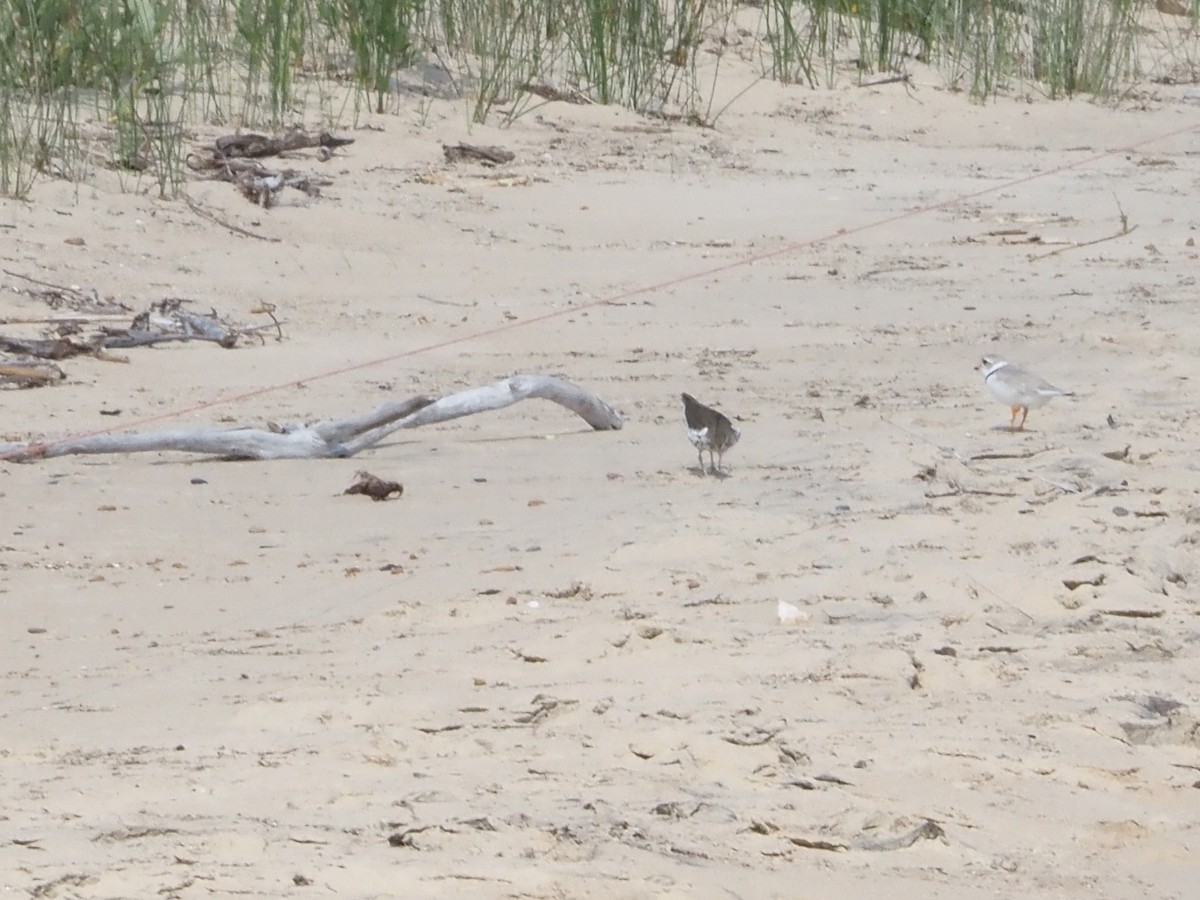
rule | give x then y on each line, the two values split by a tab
1012	423
1025	411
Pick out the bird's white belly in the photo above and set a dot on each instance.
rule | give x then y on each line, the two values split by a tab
1017	395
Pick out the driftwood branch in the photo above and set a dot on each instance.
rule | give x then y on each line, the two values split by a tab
250	145
337	438
166	320
234	158
261	185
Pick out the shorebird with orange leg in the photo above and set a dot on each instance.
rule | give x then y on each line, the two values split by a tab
1019	388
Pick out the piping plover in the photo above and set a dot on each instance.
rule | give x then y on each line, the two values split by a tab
1020	389
708	430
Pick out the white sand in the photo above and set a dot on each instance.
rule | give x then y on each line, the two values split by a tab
229	692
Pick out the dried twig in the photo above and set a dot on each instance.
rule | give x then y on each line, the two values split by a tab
212	217
56	295
46	284
268	309
1023	455
957	490
948	451
1125	229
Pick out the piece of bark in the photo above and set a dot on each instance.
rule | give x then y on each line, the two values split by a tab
374	487
27	373
57	348
488	155
548	89
1171	7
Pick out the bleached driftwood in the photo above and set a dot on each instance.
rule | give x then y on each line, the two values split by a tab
340	437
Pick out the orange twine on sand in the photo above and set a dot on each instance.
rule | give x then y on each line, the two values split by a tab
38	448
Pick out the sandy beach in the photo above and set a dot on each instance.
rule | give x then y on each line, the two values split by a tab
554	668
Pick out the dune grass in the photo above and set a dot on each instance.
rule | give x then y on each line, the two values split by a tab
117	82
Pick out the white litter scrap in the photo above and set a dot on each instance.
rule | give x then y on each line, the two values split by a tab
790	614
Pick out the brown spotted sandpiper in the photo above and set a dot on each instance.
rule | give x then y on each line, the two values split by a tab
709	430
